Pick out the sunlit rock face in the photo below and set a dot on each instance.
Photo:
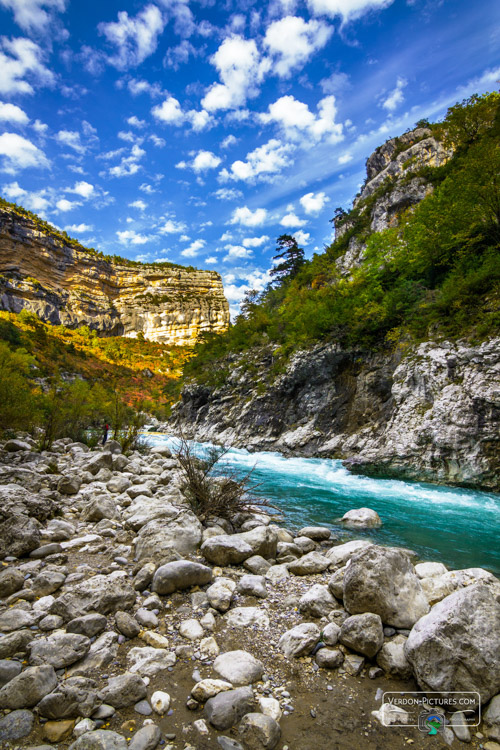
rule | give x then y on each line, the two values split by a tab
65	285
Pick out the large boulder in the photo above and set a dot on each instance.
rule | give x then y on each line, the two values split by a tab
226	708
363	633
97	462
391	658
104	594
59	650
19	535
239	667
382	580
313	562
180	574
226	549
28	688
103	506
341	553
300	640
362	518
160	537
100	739
220	594
456	647
76	696
259	731
317	601
11	580
124	690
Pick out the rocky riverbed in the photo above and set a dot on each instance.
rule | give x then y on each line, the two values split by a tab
127	623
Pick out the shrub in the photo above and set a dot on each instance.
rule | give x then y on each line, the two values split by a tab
210	493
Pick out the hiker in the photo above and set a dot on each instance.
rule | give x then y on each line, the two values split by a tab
105	435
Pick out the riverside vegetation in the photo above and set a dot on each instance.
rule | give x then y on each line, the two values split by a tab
126	621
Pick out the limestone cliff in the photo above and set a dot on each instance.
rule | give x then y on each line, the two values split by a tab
64	284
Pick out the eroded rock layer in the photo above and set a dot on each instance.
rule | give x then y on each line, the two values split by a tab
65	285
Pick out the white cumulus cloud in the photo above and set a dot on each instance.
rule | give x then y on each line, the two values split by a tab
19	153
13	113
299	123
70	138
235	252
30	14
292	41
247	218
240	69
171	113
194	249
348	9
78	228
396	97
265	161
85	189
172	227
135	38
129	237
292	220
255	241
312	203
21	58
138	204
64	205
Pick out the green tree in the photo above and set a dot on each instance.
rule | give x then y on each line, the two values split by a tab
291	257
16	404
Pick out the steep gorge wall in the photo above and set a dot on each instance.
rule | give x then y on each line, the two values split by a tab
65	285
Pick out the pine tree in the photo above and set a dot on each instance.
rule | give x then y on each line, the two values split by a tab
291	256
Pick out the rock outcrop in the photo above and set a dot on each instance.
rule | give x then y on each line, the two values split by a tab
64	284
429	413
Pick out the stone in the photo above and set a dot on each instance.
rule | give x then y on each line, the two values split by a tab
16	619
362	518
391	715
178	575
11	580
16	445
89	625
302	544
191	629
154	639
226	708
100	739
252	585
102	652
430	569
8	670
47	582
50	622
146	618
257	565
263	540
201	726
277	573
336	583
58	731
329	658
97	462
316	533
382	580
127	625
220	594
317	601
313	562
245	617
69	485
124	690
330	634
259	731
391	658
270	707
146	738
104	594
353	664
363	634
492	714
205	689
456	647
341	553
300	640
101	507
85	725
73	697
160	702
15	725
209	648
59	650
162	450
239	667
28	688
143	708
19	535
118	484
149	661
226	550
144	577
458	722
15	643
227	743
161	537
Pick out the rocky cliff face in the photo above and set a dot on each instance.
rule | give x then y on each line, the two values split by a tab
431	413
390	188
65	285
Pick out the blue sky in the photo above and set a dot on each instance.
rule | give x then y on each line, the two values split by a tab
199	131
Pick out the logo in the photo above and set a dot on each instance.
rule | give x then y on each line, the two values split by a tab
431	722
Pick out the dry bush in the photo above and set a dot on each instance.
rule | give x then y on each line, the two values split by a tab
222	495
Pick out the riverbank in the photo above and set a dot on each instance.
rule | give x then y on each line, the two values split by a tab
112	590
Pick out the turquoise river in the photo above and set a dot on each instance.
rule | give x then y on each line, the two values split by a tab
448	524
